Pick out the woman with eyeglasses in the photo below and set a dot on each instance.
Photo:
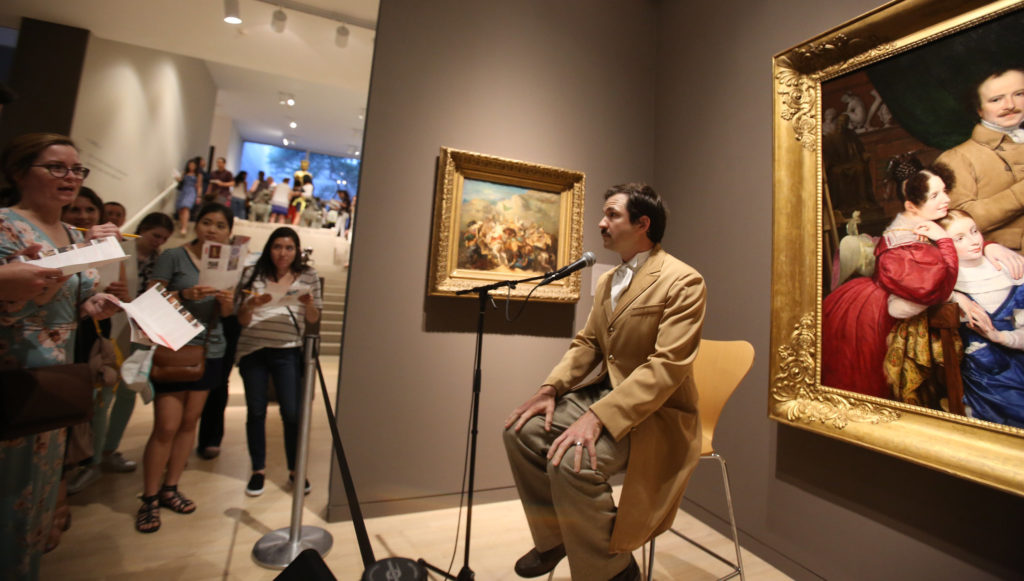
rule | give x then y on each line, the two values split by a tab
46	174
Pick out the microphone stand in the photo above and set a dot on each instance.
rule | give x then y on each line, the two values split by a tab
467	574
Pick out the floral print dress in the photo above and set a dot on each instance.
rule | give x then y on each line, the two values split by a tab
33	335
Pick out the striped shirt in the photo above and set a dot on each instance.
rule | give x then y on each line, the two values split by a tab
273	326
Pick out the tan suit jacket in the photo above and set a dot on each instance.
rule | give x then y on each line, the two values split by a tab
989	170
646	347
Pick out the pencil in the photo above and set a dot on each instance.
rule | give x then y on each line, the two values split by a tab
126	235
249	292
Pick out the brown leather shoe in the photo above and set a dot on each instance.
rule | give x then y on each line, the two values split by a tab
535	563
630	573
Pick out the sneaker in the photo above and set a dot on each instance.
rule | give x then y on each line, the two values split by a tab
117	463
291	480
255	487
81	479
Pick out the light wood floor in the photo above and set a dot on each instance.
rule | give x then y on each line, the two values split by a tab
216	541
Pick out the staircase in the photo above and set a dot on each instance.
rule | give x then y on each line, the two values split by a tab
333	316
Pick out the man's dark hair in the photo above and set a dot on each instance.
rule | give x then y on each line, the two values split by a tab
997	71
642	200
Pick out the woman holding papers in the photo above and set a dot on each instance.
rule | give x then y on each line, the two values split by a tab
46	173
281	295
152	232
177	406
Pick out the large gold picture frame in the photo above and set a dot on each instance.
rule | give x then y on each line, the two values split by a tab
805	235
498	219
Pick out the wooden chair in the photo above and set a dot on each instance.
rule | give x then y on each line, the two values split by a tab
946	318
717	371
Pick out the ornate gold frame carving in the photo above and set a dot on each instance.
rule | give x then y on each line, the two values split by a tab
455	167
979	451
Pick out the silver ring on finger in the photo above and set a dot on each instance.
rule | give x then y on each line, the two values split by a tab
579	443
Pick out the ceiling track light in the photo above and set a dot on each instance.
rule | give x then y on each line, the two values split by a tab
278	20
341	36
231	13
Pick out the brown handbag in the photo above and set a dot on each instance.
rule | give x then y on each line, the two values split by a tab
44	398
184	365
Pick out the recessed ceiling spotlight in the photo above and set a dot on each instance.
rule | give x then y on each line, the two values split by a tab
341	36
278	20
293	125
285	141
231	13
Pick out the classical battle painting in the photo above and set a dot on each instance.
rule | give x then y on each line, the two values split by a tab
899	136
498	219
507	228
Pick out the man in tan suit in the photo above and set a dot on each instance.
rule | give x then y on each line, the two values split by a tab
989	167
638	415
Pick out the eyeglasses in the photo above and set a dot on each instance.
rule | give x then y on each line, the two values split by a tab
59	170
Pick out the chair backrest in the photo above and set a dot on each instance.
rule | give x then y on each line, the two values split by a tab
717	371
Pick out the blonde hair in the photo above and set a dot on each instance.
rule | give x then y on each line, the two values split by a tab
953	215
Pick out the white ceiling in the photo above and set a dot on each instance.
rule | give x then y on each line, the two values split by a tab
250	64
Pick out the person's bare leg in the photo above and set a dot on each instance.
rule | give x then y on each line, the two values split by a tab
168	409
183	216
185	436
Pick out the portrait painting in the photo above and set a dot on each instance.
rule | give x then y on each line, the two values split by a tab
498	219
902	337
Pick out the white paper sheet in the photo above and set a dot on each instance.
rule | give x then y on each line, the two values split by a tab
82	255
285	294
162	318
221	264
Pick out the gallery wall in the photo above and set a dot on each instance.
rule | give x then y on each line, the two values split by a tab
676	93
555	83
161	115
813	506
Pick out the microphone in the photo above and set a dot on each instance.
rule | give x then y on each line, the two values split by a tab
588	259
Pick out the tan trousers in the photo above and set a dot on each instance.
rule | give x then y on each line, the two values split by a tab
563	506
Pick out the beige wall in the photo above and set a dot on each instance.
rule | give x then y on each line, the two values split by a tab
828	508
677	93
161	115
545	82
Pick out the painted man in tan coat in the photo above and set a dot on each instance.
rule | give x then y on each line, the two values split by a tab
989	167
638	415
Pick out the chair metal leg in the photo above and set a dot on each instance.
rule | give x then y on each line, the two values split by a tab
650	563
732	515
737	567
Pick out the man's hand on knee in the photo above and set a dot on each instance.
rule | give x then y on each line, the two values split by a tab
582	434
542	402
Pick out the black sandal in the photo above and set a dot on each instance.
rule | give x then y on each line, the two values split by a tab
147	520
176	501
